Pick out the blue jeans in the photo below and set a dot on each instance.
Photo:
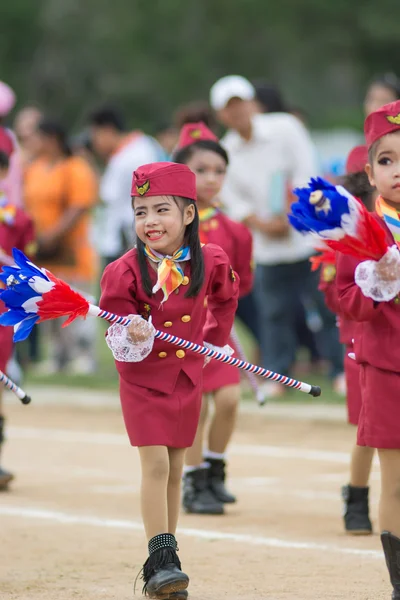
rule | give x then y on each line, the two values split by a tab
248	314
278	289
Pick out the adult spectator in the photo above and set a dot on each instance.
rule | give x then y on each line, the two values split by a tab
60	190
269	154
269	99
122	152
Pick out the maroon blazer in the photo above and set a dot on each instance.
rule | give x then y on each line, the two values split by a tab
123	294
328	286
237	241
376	342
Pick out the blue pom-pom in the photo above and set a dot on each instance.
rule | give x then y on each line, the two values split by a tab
310	214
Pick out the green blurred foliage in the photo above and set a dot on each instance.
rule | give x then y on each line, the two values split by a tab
68	56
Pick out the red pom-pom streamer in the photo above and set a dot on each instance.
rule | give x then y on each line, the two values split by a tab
370	241
60	301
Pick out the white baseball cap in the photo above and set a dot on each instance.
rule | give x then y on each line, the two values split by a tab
231	86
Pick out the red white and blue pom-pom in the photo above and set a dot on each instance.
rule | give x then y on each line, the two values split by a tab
34	295
340	220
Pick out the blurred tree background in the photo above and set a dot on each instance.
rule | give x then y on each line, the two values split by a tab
68	56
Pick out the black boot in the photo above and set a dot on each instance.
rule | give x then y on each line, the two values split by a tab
5	476
162	573
391	548
197	497
356	510
216	480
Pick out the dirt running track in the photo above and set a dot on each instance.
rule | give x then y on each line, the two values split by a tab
71	524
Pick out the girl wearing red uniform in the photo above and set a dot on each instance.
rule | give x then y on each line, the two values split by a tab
16	231
165	283
368	293
355	494
204	490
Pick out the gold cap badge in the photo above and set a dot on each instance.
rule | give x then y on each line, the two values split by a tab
196	133
394	119
143	189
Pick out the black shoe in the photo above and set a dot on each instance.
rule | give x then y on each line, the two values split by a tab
162	573
166	581
5	478
216	480
391	548
356	510
197	497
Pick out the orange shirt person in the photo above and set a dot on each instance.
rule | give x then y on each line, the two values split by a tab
60	190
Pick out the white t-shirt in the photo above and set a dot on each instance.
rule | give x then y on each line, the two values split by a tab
115	192
280	153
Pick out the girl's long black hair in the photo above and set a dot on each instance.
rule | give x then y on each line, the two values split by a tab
196	255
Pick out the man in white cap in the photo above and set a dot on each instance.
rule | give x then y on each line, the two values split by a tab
269	155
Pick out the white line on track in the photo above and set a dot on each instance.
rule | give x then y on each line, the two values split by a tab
115	439
251	540
306	494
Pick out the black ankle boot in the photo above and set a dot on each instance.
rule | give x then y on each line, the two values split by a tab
162	573
5	476
197	497
391	548
216	480
356	510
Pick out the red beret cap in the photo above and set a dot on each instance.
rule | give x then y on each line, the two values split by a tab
357	159
381	122
164	179
195	132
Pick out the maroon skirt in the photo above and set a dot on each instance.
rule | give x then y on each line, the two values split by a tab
153	418
353	398
379	425
217	374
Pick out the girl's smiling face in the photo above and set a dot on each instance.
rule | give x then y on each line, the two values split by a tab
210	169
384	173
161	221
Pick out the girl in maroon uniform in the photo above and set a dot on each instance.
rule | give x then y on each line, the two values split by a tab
355	494
204	490
165	283
369	293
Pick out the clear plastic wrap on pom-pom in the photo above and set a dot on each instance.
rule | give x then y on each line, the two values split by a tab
123	348
368	276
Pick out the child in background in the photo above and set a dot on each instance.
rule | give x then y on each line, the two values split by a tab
204	490
165	283
368	293
355	494
16	231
